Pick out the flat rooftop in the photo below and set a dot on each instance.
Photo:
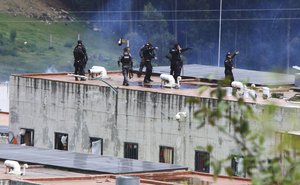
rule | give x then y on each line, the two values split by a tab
47	175
243	75
197	76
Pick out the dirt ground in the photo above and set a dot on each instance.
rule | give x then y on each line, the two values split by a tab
33	8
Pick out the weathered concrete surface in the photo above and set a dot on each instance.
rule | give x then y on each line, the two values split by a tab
3	140
51	106
4	98
143	117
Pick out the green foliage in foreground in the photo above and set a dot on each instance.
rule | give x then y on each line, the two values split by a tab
31	46
276	166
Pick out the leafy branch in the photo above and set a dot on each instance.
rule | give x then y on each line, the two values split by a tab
262	166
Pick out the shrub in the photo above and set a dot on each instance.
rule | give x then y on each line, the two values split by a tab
13	35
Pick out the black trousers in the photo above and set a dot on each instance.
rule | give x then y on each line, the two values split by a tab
142	65
79	68
177	72
125	72
172	69
229	77
148	71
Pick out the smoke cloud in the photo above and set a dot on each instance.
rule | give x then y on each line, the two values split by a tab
265	33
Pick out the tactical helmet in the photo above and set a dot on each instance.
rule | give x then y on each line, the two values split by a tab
228	54
126	50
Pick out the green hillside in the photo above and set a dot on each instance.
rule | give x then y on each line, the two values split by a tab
32	46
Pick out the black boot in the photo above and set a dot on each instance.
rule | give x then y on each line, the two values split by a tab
139	74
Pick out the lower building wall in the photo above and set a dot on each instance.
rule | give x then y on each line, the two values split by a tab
142	117
3	139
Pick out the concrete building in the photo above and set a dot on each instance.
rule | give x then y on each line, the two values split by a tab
4	108
4	98
4	122
54	111
46	175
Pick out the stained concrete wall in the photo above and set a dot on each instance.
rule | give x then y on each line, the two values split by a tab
51	106
4	97
3	140
143	117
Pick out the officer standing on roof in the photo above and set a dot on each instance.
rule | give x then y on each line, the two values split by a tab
228	63
142	64
80	59
148	54
176	60
127	64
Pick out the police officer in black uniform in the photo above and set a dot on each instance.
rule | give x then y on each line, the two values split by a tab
148	54
142	64
228	63
80	59
176	60
126	61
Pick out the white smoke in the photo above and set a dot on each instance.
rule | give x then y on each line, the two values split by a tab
51	69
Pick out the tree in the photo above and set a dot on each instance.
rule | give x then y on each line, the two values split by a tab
260	164
155	29
82	4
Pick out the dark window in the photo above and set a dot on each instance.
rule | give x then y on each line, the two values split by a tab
202	161
61	141
96	145
131	150
166	154
238	166
27	136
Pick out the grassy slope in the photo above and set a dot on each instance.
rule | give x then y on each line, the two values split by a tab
35	56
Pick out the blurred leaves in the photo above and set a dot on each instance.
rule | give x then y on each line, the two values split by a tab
260	165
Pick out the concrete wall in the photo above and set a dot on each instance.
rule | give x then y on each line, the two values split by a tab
142	117
3	140
50	106
4	97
